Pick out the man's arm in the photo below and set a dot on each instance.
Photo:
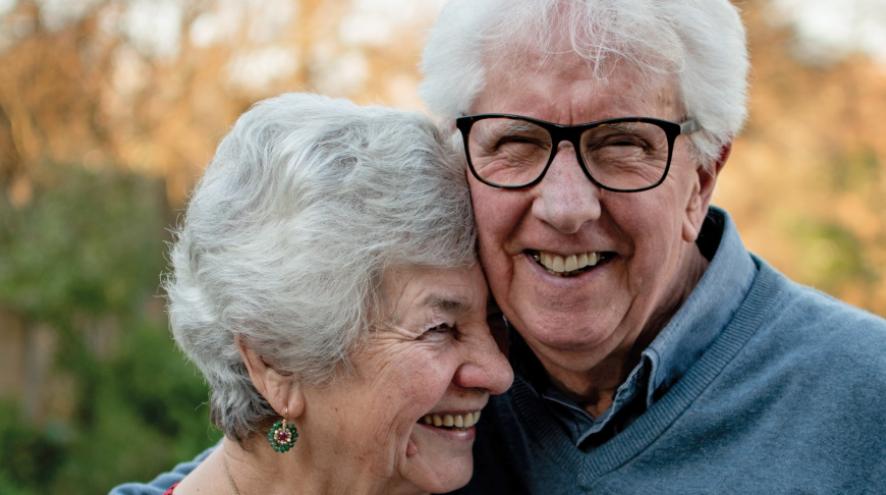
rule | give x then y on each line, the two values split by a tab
163	481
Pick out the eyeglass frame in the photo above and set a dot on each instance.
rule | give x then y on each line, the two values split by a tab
572	133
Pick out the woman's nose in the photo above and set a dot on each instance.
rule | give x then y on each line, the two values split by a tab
486	367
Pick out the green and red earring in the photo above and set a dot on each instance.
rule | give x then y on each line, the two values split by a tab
282	435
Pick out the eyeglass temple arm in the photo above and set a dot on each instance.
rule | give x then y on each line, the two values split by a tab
689	126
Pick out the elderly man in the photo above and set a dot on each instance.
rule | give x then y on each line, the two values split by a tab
653	353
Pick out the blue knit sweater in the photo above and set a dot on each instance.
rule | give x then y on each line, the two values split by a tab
789	397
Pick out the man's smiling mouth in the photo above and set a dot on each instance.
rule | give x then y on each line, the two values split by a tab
571	265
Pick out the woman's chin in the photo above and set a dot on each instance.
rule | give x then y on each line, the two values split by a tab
441	482
439	461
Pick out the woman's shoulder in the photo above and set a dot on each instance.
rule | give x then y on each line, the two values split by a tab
163	483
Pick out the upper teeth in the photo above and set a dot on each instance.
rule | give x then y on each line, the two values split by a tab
564	264
465	420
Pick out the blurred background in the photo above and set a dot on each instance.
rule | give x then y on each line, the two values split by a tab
109	110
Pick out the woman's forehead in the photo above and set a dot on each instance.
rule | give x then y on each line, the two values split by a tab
449	290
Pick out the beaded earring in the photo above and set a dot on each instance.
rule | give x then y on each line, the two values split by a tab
282	435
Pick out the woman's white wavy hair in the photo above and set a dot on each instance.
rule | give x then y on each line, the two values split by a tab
306	203
702	42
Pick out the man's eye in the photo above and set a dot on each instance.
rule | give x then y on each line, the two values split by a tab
621	140
517	138
521	140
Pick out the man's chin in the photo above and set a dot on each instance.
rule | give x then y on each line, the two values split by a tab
565	332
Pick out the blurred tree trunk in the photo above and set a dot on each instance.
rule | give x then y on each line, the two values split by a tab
33	376
28	349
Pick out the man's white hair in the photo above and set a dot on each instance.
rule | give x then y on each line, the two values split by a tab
306	204
701	42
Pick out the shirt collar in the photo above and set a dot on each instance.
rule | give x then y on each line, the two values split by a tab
706	311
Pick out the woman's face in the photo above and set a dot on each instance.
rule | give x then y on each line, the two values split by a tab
433	360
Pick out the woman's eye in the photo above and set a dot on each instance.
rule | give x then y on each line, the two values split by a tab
441	329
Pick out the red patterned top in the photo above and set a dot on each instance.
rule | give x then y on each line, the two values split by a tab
170	490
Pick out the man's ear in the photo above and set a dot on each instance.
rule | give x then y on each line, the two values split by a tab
281	389
703	191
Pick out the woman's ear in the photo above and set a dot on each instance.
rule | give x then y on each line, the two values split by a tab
282	390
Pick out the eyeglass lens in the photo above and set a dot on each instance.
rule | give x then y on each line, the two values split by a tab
622	155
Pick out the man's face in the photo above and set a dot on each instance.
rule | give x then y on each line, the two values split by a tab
644	240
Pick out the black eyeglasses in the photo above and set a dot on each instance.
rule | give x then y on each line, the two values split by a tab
626	154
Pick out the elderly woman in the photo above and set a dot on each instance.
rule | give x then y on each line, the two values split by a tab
325	283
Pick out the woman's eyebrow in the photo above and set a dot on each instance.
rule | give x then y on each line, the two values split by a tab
446	304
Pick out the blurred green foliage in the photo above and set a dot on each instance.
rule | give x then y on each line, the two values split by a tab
87	242
833	257
88	249
855	171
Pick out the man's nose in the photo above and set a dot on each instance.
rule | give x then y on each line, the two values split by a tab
565	198
485	368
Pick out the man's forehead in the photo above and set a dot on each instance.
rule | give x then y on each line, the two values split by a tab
528	82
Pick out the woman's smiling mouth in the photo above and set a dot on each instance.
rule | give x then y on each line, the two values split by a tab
451	421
